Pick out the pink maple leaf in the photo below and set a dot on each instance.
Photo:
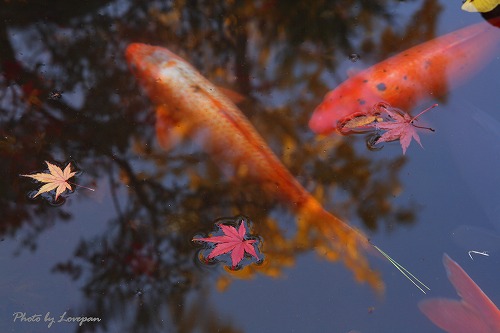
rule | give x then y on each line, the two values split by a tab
400	126
232	241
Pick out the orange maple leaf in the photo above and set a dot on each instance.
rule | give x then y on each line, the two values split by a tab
57	178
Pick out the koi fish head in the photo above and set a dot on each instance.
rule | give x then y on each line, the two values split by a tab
149	58
352	96
187	104
160	71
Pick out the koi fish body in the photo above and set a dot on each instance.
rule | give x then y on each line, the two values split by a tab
420	73
190	106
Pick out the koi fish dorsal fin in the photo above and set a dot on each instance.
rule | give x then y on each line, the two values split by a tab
169	131
234	96
474	313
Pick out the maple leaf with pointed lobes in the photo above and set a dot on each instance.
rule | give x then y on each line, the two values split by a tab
400	126
232	241
55	179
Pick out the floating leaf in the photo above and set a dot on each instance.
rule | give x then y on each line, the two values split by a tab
400	126
232	241
55	179
357	123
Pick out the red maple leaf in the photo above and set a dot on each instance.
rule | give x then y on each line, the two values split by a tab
232	241
399	126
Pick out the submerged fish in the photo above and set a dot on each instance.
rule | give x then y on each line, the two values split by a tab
474	313
420	73
190	106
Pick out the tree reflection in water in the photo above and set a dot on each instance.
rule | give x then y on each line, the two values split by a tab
141	271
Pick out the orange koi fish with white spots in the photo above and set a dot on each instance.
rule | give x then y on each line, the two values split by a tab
190	106
423	72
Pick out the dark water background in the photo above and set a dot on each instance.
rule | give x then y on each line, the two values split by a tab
123	253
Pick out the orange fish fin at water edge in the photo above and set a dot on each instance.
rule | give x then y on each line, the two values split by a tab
474	313
453	316
169	132
470	291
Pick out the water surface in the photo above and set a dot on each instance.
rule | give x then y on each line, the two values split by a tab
124	254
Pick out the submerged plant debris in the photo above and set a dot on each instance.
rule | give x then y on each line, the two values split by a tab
397	124
233	241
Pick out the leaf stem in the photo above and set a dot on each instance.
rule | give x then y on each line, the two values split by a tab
421	113
85	187
423	127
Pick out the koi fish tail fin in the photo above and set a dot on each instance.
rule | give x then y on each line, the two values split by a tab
474	313
336	240
469	290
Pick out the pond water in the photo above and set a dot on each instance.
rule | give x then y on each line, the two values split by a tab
123	253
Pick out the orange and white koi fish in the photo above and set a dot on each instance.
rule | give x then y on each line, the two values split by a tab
190	106
423	72
475	312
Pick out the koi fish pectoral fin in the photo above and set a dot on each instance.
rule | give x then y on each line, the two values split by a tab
169	131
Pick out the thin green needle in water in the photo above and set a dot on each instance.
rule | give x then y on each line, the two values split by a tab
419	284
